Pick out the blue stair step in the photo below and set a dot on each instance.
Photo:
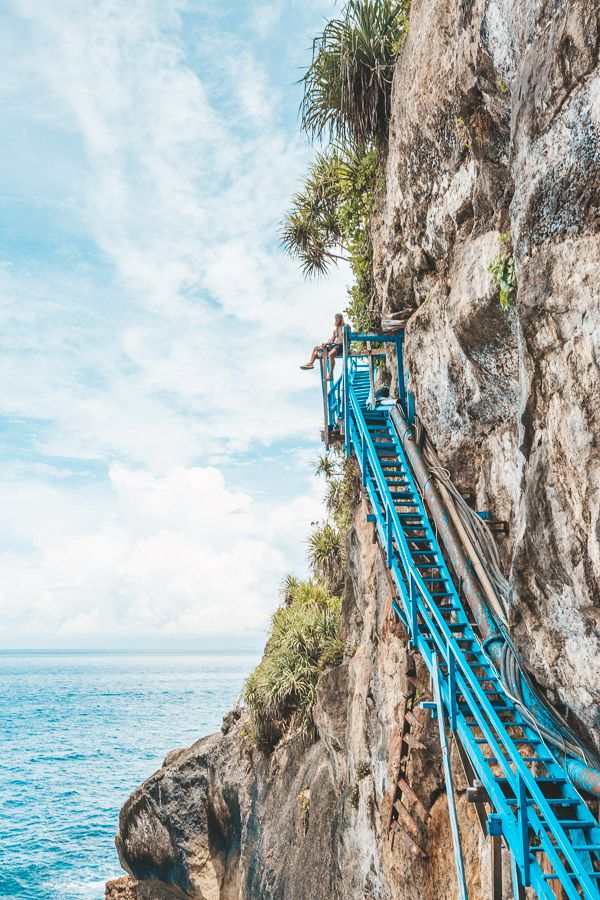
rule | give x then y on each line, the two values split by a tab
552	876
578	847
551	801
540	779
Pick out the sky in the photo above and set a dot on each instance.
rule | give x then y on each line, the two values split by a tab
157	437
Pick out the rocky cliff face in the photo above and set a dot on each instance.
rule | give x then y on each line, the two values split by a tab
222	820
495	128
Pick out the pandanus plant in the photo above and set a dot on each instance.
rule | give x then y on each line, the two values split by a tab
347	87
327	556
303	642
311	231
329	217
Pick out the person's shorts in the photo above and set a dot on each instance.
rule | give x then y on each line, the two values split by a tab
338	348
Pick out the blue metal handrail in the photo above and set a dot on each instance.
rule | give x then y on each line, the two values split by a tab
436	641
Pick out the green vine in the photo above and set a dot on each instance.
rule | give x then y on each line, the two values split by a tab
359	184
502	268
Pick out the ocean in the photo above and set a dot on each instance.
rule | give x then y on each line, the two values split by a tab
79	731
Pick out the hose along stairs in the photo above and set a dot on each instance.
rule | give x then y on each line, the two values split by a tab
531	781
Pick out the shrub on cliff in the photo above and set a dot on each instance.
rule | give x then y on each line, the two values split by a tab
330	219
327	557
343	487
303	642
502	267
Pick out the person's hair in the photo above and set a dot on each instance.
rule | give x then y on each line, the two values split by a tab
340	317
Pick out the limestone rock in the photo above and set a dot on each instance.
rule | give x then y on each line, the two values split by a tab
496	128
121	889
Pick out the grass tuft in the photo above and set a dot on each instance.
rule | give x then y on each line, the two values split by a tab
502	268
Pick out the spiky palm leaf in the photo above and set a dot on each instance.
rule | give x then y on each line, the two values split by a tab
311	230
342	494
330	217
347	87
280	693
288	589
326	556
327	466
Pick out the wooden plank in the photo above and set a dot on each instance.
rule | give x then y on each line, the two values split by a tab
420	810
401	711
412	845
406	819
396	747
386	614
410	717
496	864
421	713
470	776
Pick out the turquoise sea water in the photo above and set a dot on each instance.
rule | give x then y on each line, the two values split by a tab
79	732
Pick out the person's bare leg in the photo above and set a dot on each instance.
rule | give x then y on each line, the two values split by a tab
311	362
332	354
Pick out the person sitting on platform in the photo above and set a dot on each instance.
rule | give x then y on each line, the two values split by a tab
333	347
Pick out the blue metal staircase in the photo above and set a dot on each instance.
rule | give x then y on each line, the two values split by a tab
545	823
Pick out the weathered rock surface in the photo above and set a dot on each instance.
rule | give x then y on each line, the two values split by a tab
221	820
121	889
495	127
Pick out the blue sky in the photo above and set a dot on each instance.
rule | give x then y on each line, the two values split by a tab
157	436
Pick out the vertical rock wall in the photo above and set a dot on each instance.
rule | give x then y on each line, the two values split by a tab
496	127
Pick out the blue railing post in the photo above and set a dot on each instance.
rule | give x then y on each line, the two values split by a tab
347	446
326	400
388	535
523	829
458	857
494	825
363	453
400	367
451	684
412	598
517	881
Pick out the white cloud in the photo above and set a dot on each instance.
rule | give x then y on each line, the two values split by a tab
180	555
264	17
184	202
150	324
